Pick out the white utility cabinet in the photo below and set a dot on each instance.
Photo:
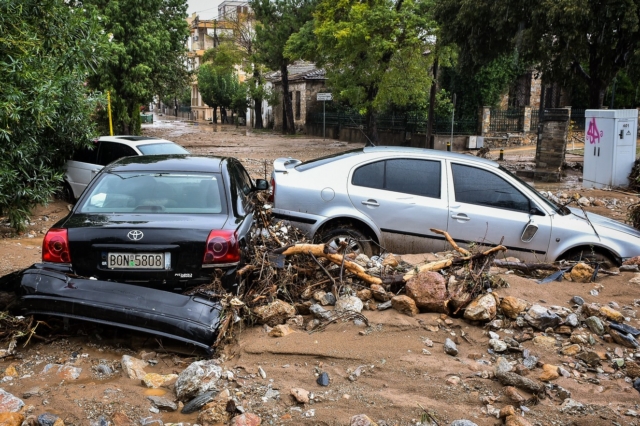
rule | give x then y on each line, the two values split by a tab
609	147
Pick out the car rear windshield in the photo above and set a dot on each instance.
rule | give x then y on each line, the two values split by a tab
162	148
328	159
155	192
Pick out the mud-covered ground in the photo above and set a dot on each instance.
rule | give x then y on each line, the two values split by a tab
401	376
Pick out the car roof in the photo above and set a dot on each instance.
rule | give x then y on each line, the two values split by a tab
169	163
134	141
428	152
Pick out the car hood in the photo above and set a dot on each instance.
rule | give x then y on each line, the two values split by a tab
168	221
605	222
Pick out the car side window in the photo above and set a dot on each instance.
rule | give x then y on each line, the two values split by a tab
477	186
111	151
409	176
239	189
244	180
85	155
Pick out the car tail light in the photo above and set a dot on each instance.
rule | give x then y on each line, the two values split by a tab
272	196
222	247
55	246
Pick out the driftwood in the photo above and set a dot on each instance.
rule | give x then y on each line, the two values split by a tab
526	267
514	379
320	250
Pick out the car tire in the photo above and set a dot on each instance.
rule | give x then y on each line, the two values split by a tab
588	255
358	242
66	193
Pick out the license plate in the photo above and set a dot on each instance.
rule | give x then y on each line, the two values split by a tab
138	260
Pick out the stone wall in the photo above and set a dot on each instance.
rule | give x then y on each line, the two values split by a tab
308	90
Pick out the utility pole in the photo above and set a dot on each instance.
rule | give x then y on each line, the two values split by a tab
432	101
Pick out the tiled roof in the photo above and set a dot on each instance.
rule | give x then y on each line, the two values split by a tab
299	70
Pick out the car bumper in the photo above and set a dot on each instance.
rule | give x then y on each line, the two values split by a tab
190	319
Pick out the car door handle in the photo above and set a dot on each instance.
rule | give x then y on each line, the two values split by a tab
370	202
461	216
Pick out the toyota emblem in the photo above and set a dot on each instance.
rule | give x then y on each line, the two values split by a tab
135	235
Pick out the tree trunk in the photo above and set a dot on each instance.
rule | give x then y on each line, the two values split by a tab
215	115
372	129
257	103
286	100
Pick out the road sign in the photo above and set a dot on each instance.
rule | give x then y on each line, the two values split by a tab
325	96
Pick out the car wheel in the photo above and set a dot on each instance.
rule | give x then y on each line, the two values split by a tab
356	241
588	255
66	193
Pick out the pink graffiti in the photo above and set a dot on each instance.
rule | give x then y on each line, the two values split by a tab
593	134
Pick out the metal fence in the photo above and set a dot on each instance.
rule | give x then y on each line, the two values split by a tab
577	119
535	119
412	122
508	120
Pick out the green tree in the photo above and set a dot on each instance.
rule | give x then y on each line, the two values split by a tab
278	20
591	39
374	52
47	47
147	55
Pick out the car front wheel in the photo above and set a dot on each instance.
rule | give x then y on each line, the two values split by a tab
356	242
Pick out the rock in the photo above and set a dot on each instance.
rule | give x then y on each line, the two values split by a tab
570	405
384	305
9	403
280	330
364	294
630	268
323	379
463	423
633	369
429	290
121	419
611	314
163	403
214	413
274	313
633	261
581	273
11	419
513	394
47	419
545	342
101	421
623	339
198	402
296	321
498	345
483	308
530	362
549	372
571	350
300	395
319	312
405	305
591	358
584	201
31	392
64	372
246	419
391	261
133	367
512	306
327	300
507	411
198	378
595	325
104	369
349	303
540	318
154	380
450	347
516	421
379	293
362	420
572	320
577	300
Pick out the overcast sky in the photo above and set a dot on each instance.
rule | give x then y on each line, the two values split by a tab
207	9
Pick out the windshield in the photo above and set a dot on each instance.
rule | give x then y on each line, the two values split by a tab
561	210
162	148
328	159
155	192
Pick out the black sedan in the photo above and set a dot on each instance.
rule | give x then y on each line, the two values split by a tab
145	230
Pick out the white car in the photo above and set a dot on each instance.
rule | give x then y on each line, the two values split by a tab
87	162
391	197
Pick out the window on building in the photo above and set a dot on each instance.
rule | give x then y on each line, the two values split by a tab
297	105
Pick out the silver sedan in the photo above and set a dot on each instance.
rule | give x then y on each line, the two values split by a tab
390	198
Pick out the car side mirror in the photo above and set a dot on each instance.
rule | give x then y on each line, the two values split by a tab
261	185
529	231
534	211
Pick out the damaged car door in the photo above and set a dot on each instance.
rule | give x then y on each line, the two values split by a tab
405	197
